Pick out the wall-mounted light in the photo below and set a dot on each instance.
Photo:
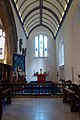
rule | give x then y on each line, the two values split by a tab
63	14
15	1
65	7
3	34
0	32
4	61
24	51
68	1
60	19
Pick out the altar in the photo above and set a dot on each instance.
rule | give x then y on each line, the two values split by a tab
41	77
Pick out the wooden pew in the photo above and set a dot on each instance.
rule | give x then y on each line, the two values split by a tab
69	97
72	96
4	93
0	103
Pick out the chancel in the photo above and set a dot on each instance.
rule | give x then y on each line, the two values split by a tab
39	59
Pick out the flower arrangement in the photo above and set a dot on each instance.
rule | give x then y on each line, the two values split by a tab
37	72
45	72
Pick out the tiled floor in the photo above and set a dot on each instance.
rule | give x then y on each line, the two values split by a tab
38	109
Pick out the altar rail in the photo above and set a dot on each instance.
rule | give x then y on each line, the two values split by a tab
38	88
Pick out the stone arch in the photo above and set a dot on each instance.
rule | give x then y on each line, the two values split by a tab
9	26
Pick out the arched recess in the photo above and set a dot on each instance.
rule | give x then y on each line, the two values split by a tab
60	58
8	22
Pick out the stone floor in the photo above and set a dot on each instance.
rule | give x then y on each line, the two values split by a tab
38	109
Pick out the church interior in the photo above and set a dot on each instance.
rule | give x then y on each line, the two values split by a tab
39	59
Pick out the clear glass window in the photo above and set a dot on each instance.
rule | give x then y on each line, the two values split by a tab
36	46
45	46
41	46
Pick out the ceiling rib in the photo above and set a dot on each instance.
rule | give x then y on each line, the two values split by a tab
47	13
43	22
54	7
49	21
49	25
28	7
22	4
52	12
28	19
43	17
60	4
43	26
26	16
51	18
33	25
41	4
32	21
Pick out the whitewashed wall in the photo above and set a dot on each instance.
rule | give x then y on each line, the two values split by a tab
21	35
44	63
76	43
70	31
33	63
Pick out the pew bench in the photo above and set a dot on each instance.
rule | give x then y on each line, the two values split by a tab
4	93
72	98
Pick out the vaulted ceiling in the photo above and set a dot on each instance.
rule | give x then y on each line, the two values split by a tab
47	13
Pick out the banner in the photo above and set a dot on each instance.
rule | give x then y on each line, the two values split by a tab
18	65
